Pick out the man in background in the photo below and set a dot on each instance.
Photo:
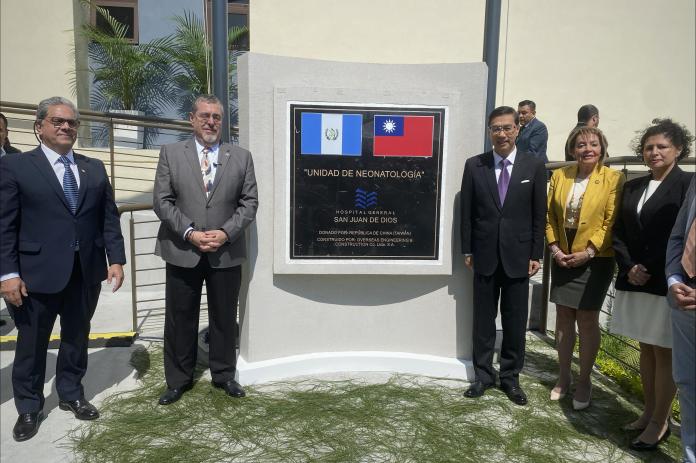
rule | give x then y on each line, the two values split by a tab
5	147
588	116
533	135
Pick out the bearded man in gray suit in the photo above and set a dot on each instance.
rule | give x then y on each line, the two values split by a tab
205	195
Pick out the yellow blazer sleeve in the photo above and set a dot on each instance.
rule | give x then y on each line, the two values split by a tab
552	230
601	238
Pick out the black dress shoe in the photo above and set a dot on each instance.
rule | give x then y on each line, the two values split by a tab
172	394
231	387
641	446
515	394
27	426
82	409
477	389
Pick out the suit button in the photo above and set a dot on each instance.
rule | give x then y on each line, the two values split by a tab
207	207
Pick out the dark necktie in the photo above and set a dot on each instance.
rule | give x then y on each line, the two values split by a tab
503	180
70	189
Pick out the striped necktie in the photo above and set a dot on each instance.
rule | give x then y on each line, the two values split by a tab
207	171
688	260
70	189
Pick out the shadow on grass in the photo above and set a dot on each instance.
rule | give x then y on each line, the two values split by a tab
610	409
401	419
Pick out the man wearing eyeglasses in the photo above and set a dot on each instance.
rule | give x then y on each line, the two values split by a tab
205	195
58	228
503	215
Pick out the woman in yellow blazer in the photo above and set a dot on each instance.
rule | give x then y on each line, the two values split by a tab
583	202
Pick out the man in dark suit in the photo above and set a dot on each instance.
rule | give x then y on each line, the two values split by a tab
205	194
680	269
503	214
533	135
58	226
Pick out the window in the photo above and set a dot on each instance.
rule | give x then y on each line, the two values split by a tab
237	17
124	11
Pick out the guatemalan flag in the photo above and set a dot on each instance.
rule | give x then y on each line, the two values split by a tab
331	133
403	136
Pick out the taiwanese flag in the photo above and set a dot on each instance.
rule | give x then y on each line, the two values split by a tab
404	136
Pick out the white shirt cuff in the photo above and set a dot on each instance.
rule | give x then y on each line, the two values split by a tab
674	279
9	275
187	230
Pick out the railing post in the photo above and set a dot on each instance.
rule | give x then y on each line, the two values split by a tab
134	291
545	278
112	156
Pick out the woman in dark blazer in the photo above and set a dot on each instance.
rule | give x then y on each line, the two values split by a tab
649	207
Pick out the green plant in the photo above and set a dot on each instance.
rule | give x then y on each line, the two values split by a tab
615	347
127	76
190	54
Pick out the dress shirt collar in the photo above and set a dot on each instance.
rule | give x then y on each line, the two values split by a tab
52	156
511	157
213	148
2	151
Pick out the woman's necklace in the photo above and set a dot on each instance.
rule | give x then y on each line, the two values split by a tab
574	206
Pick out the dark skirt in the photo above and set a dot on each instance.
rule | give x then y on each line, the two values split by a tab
583	288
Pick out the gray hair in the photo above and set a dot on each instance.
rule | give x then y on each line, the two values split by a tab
42	109
207	98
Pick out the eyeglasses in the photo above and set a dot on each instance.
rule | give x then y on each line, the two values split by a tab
501	128
58	122
203	117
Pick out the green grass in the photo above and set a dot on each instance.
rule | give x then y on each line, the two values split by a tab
625	374
402	419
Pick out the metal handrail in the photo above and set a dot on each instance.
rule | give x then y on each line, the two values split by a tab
115	117
91	115
130	208
110	119
546	270
133	208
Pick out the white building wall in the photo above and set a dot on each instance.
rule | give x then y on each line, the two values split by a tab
633	59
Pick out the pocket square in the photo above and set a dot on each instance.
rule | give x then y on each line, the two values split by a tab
525	181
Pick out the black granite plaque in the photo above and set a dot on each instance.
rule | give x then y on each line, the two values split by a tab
365	182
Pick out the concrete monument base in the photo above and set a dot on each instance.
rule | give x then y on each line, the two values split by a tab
333	362
316	316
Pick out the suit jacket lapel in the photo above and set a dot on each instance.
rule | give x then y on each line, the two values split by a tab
590	197
518	172
663	189
488	166
39	159
566	185
83	171
223	160
191	154
632	197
